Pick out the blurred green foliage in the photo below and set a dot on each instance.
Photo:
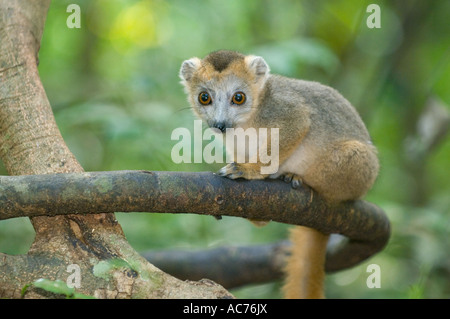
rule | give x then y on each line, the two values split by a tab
115	92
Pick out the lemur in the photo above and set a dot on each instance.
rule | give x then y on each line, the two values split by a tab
322	142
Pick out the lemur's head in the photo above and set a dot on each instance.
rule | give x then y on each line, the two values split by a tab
224	87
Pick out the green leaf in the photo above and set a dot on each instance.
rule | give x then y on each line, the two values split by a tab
54	286
57	287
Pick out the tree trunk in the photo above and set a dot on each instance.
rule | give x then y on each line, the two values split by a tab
30	143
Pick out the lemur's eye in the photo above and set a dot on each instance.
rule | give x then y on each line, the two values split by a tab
204	98
238	98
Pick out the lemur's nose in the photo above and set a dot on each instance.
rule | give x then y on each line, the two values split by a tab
220	126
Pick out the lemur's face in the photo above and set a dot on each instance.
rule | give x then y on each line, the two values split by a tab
222	102
223	88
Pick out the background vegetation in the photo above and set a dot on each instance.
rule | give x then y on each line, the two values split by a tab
114	88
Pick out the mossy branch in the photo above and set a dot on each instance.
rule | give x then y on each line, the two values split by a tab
364	224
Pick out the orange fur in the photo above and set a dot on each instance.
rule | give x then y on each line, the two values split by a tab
305	267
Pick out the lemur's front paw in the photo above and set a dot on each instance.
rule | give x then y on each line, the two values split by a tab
295	180
231	170
235	170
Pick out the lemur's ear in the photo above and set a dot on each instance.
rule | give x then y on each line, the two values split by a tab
188	68
259	67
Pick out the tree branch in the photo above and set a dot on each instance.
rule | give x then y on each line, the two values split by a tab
365	224
230	267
